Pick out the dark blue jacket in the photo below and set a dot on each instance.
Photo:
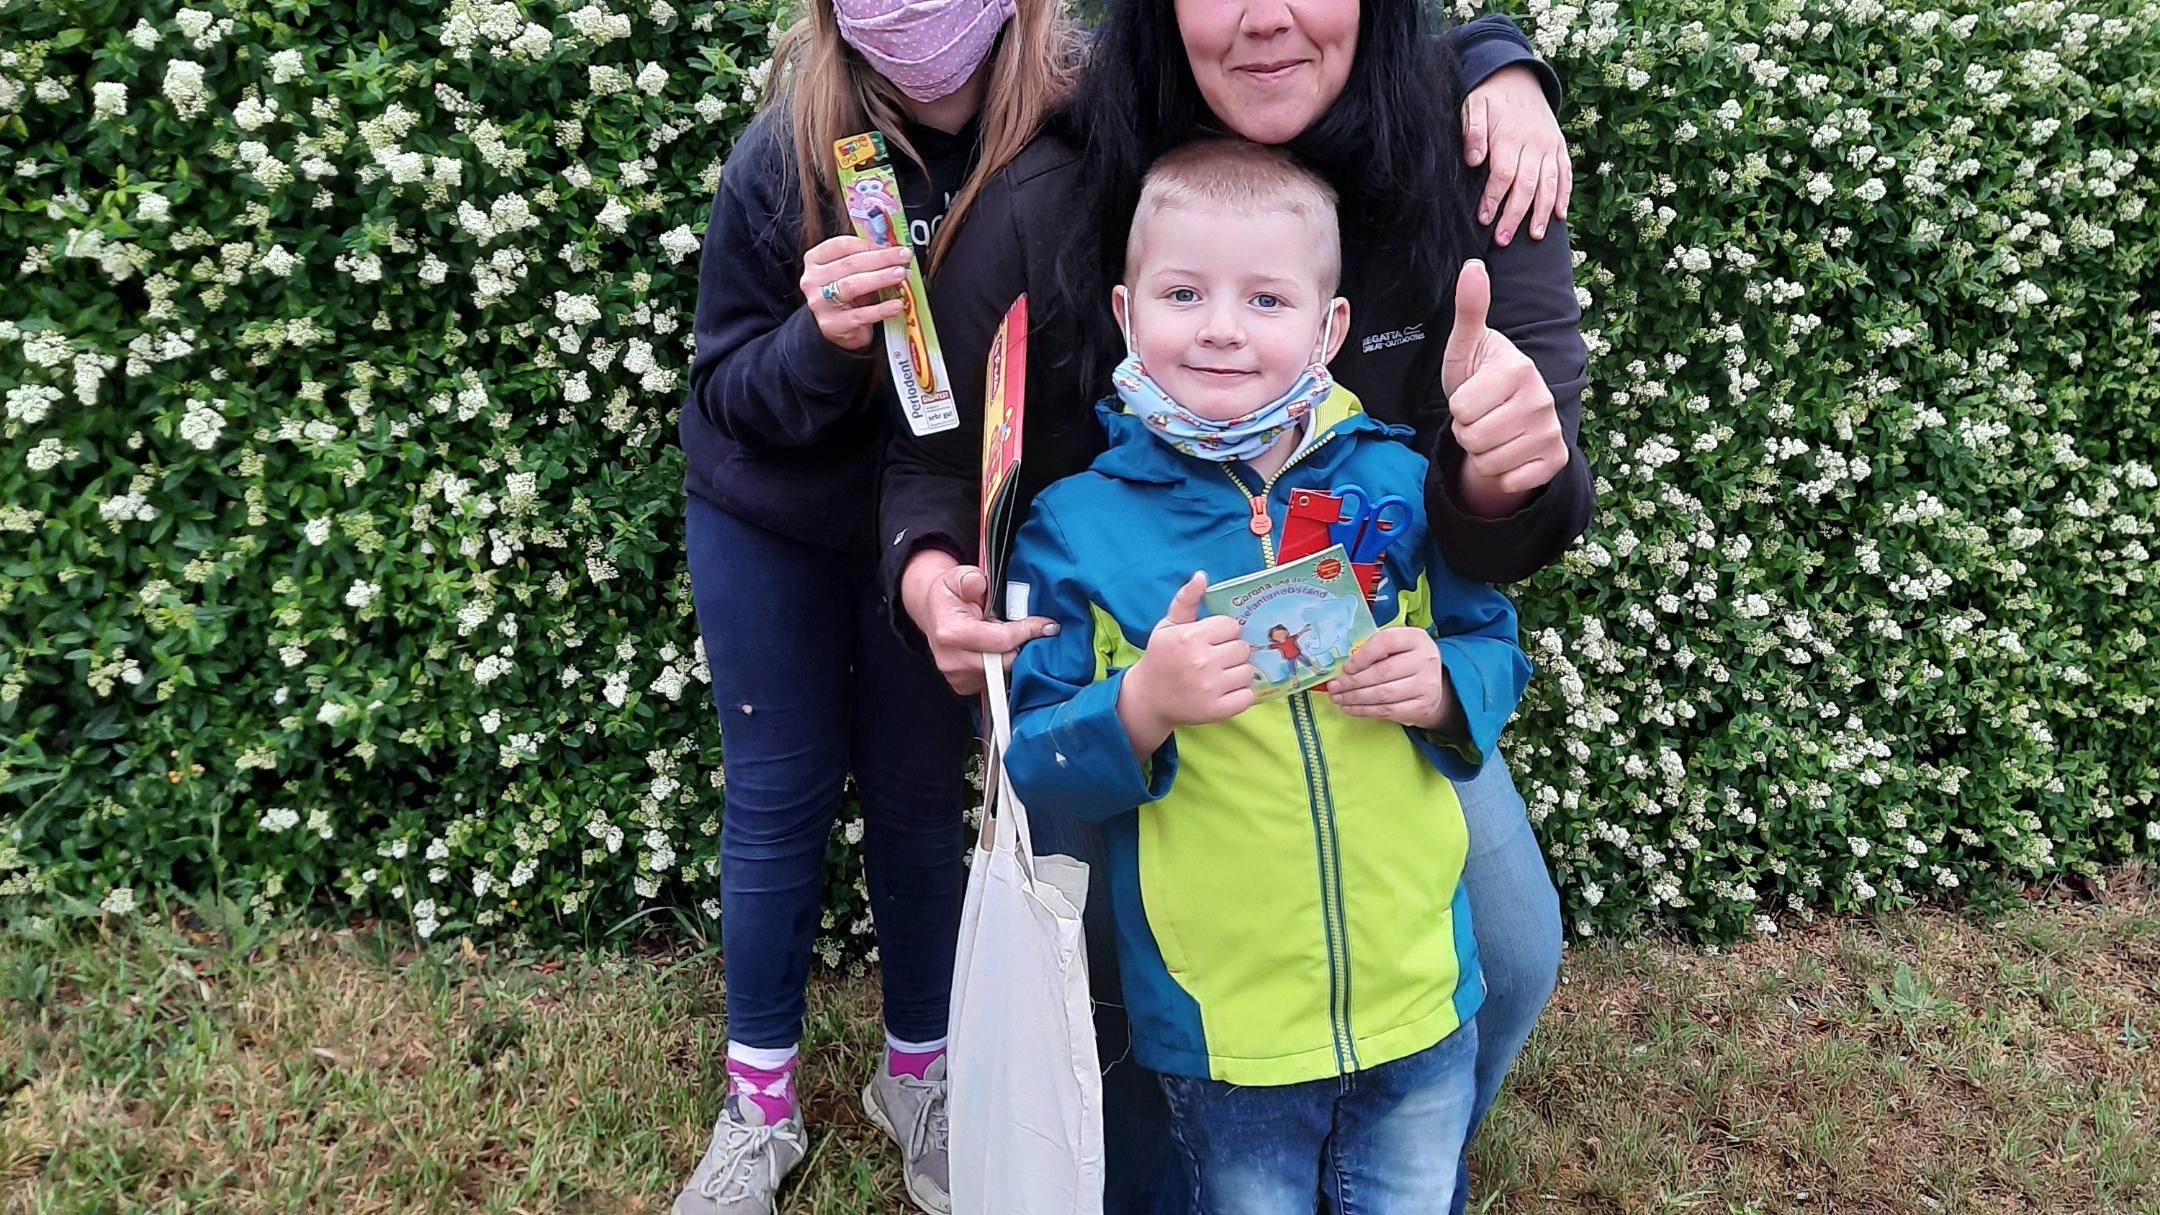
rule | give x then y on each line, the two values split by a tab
781	427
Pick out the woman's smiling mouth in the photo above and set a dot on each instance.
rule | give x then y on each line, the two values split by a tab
1270	72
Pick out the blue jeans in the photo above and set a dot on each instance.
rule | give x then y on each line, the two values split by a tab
1513	909
1384	1141
812	684
1515	913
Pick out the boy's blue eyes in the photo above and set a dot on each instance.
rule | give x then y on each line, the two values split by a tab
1186	295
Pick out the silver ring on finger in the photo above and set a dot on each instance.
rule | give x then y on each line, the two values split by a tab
831	292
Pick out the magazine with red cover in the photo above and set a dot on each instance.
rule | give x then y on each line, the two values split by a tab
1004	402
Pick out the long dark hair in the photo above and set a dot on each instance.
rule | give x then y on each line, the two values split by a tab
1391	146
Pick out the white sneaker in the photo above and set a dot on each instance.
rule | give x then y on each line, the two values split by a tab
913	1112
743	1168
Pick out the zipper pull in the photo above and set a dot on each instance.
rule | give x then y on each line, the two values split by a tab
1259	524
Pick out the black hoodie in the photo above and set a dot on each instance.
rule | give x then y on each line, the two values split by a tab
786	431
1391	360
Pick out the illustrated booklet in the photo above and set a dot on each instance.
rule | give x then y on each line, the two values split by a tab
1301	619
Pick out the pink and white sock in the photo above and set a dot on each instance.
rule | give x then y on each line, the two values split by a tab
911	1058
765	1078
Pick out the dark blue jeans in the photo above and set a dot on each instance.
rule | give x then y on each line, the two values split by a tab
812	684
1513	910
1384	1141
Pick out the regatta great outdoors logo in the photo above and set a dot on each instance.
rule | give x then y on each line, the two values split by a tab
1393	337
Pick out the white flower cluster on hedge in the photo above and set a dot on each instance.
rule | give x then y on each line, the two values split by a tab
343	522
1868	290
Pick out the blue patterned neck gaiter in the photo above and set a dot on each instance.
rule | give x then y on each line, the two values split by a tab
1240	438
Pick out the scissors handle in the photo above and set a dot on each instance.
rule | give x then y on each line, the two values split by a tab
1356	503
1356	507
1381	526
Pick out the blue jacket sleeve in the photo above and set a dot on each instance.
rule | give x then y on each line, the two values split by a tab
1492	42
763	374
1475	626
1070	755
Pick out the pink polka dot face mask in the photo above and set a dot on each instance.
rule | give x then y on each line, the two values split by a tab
927	48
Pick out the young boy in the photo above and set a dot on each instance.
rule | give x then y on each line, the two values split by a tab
1297	957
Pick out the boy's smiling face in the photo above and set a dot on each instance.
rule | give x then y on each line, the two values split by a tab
1226	307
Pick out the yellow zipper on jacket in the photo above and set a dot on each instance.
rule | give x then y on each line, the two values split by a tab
1317	794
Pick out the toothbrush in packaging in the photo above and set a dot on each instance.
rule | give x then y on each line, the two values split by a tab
872	195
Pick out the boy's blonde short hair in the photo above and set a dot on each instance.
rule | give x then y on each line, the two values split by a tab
1245	177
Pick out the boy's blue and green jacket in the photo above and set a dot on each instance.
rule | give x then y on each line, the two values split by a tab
1285	885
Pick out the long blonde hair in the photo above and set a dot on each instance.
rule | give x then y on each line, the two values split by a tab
830	92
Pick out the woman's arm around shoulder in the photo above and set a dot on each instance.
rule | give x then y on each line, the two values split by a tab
1511	127
1492	42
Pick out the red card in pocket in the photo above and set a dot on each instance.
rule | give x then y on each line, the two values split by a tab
1305	526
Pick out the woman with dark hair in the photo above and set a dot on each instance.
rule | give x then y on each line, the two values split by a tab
1369	95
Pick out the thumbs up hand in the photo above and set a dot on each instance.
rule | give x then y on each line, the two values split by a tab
1194	672
1500	409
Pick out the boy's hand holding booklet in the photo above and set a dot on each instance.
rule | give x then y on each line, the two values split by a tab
1285	629
1193	672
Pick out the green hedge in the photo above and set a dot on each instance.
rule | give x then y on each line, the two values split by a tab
339	540
1869	299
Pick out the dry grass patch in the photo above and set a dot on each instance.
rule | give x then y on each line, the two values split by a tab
1925	1063
1918	1063
161	1069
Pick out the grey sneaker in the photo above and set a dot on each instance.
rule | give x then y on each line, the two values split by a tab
913	1112
742	1170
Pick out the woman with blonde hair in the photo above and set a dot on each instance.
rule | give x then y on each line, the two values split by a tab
785	423
787	415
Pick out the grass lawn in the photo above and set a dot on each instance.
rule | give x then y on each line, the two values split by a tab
1918	1063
